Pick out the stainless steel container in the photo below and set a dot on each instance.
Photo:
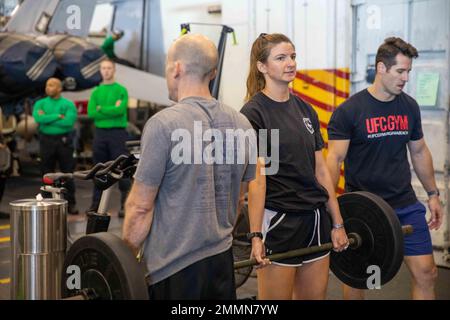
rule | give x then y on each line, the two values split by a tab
38	247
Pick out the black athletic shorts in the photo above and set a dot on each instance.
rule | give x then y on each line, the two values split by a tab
289	231
209	279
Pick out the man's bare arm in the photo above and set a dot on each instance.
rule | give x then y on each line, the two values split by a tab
337	151
138	214
423	166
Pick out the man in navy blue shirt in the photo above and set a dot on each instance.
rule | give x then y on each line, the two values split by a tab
370	133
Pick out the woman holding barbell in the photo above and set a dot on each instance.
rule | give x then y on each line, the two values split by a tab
289	198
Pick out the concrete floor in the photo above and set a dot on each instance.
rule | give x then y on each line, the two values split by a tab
397	289
27	186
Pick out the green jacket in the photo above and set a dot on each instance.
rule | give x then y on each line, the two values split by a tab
108	47
47	113
102	106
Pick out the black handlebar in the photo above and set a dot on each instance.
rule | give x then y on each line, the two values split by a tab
133	143
110	166
103	174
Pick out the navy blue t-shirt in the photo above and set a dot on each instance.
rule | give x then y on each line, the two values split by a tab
294	188
379	132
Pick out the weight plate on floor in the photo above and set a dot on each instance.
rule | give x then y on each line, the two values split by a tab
107	265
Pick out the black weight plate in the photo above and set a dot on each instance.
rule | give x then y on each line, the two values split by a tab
241	247
389	274
382	240
108	266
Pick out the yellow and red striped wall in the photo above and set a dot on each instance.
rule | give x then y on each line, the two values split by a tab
325	90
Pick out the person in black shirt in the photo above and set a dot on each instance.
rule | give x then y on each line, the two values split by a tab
288	199
371	132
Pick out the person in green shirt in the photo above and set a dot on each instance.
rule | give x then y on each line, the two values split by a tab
56	117
108	44
108	48
108	106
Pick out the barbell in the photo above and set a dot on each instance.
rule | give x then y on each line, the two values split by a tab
375	239
354	239
110	271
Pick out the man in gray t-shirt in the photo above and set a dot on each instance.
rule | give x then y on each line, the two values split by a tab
195	158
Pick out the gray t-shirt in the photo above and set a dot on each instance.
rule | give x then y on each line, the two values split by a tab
196	205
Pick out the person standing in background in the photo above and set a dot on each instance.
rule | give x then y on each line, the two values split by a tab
56	117
108	107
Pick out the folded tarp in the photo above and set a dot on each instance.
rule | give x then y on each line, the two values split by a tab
24	63
78	60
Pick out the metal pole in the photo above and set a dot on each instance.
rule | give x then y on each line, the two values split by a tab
104	200
214	85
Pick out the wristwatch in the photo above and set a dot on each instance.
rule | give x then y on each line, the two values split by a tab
251	235
433	193
338	225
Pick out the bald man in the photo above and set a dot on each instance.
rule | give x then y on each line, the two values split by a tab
56	117
182	204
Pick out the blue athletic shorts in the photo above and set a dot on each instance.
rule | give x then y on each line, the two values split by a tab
419	242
